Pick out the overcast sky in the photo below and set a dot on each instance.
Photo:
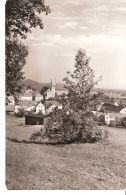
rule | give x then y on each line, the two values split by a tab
98	26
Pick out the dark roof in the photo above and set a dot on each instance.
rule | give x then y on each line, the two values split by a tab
10	108
112	108
107	104
50	103
35	115
41	101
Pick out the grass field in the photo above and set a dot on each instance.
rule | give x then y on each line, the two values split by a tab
97	166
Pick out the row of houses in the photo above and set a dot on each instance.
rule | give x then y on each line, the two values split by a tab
36	108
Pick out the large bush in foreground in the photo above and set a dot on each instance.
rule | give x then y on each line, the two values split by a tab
73	127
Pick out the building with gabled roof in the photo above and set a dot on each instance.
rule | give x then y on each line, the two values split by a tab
123	110
40	108
10	109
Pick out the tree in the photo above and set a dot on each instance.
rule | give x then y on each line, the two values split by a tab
21	16
44	89
80	84
16	54
75	122
28	86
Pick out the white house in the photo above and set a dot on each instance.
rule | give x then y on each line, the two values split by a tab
40	108
60	107
108	118
17	107
123	111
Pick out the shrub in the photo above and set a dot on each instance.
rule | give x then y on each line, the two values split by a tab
101	120
123	122
113	124
37	136
21	113
74	127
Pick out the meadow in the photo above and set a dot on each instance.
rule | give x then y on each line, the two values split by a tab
31	166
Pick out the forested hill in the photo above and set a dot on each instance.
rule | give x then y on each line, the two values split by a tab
38	86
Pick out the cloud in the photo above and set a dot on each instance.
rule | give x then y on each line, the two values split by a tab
99	43
43	44
83	27
65	55
71	24
73	2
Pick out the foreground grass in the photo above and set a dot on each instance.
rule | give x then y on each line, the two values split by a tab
97	166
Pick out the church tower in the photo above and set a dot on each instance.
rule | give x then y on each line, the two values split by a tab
53	85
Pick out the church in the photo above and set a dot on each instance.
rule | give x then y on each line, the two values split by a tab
51	92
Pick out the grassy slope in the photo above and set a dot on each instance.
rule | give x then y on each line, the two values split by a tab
77	166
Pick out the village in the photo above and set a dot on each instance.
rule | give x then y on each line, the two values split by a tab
35	107
64	109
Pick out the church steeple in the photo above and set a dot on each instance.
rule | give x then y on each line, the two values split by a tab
53	85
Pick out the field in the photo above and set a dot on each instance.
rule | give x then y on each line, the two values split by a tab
97	166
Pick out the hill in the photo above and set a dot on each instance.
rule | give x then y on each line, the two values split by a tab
60	87
38	86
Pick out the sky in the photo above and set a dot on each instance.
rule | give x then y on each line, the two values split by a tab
97	26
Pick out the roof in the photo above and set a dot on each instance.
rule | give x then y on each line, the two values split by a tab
27	95
112	108
27	103
39	103
61	92
35	115
9	108
117	115
38	95
50	103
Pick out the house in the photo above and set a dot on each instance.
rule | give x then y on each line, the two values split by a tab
38	97
10	109
26	96
123	111
17	109
34	119
50	106
40	107
61	93
108	118
115	104
110	108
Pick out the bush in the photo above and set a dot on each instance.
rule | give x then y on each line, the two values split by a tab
117	123
37	136
21	113
123	122
101	120
113	124
74	127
